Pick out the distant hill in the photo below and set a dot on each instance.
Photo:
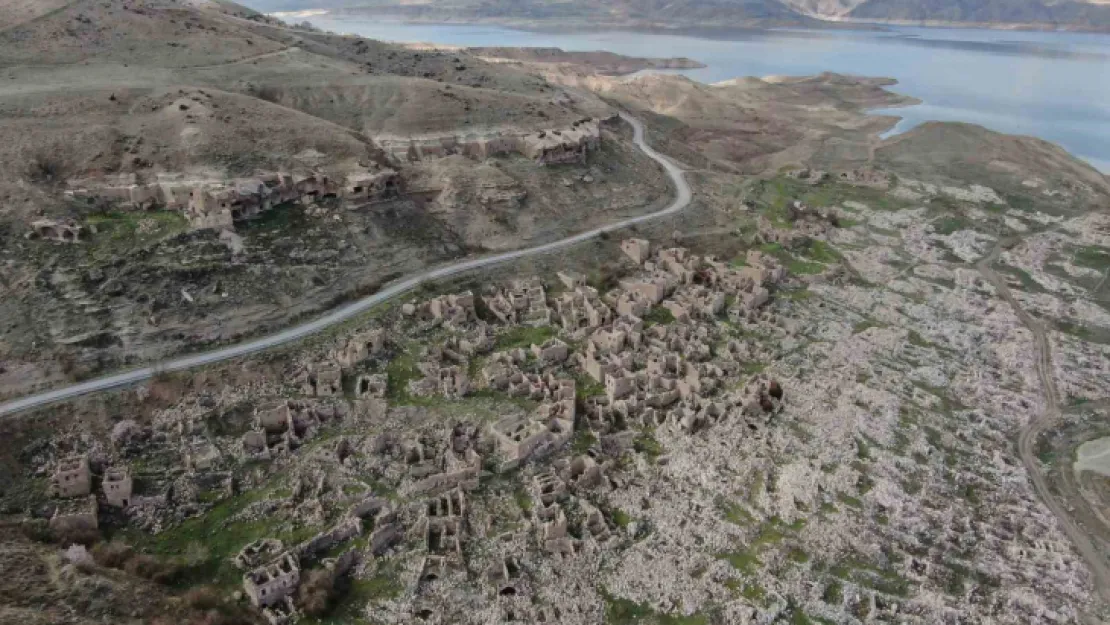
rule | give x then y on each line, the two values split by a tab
1079	15
727	14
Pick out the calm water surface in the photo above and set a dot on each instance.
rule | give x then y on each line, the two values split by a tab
1055	86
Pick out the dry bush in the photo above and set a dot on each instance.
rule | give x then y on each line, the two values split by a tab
45	168
268	93
113	555
152	568
37	530
204	598
77	535
317	592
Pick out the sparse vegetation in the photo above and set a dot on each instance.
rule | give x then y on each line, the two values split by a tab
524	336
658	315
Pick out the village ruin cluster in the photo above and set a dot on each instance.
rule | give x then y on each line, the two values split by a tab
727	439
603	374
303	328
220	204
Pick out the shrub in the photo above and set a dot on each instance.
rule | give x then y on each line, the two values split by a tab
317	592
152	568
112	554
203	598
46	168
268	93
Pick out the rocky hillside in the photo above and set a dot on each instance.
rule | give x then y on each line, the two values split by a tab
1067	15
719	15
114	113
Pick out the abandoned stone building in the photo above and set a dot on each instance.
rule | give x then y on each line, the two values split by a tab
72	477
359	348
521	438
220	203
524	302
61	231
272	583
117	486
76	515
258	552
569	144
636	249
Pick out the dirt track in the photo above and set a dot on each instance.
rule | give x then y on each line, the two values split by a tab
1052	414
682	199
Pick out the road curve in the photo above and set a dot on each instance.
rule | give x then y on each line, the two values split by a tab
1027	437
343	313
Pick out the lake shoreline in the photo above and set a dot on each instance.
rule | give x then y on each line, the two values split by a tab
1046	85
702	31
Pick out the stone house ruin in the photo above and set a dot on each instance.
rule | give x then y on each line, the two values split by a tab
254	554
61	231
74	516
520	438
551	147
321	379
117	485
271	584
636	249
524	302
359	348
546	147
220	203
372	385
72	477
582	309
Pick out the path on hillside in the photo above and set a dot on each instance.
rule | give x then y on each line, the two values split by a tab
1051	415
682	199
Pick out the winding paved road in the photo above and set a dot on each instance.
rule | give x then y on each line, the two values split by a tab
681	201
1027	438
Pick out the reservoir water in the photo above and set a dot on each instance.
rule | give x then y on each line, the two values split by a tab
1055	86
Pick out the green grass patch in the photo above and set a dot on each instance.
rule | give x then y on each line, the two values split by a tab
523	499
123	231
620	518
735	513
646	443
952	223
285	216
798	556
216	538
864	325
523	336
383	586
753	368
586	386
399	372
834	593
626	612
744	561
583	441
821	252
1092	257
658	316
850	501
803	268
881	579
916	339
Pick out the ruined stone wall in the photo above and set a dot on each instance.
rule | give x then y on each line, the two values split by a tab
546	147
220	203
